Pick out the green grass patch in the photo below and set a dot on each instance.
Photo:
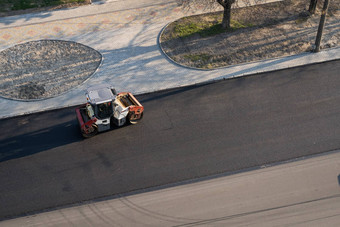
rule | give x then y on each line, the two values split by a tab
186	29
197	57
301	20
204	27
237	25
212	30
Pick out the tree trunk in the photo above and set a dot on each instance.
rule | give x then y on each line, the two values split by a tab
226	13
321	25
312	6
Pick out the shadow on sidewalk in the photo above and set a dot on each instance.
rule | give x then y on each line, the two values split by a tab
11	16
26	17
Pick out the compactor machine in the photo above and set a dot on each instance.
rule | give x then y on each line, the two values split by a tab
105	108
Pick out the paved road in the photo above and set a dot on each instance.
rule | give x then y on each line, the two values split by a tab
301	193
186	133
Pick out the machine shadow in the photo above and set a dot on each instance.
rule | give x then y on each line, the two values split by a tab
40	140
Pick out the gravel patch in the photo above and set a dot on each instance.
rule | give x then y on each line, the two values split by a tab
44	69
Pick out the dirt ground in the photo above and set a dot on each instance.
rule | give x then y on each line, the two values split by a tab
278	29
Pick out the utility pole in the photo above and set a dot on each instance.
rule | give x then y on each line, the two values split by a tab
321	25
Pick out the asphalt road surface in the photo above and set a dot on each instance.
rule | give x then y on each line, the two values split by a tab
186	133
299	193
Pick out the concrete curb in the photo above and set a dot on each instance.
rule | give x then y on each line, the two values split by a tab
150	70
240	64
170	59
167	89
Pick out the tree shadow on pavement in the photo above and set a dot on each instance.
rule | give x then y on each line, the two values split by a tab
25	17
8	17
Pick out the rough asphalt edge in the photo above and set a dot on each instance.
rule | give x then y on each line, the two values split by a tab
257	71
62	93
170	185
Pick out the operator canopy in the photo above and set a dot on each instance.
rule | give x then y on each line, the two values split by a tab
100	94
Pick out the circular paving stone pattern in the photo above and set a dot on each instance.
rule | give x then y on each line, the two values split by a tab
45	68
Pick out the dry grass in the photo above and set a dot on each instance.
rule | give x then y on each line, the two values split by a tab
259	32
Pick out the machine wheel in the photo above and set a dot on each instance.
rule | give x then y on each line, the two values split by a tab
133	121
93	130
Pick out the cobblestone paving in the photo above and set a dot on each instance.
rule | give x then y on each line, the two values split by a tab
48	68
85	24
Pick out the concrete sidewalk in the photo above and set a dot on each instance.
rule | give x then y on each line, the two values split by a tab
126	34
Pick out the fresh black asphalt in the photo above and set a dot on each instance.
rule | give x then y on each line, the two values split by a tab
186	133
